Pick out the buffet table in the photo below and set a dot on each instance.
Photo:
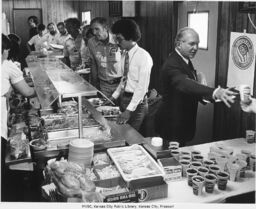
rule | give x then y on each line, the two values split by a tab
180	192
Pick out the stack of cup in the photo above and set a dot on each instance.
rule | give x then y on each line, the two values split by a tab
81	152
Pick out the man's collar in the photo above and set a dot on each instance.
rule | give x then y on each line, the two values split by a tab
185	59
110	40
133	49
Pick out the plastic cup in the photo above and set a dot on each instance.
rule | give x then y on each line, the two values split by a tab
198	158
222	162
197	184
252	162
245	92
190	173
195	152
185	157
202	171
185	153
207	163
176	154
173	148
195	164
248	154
214	169
249	136
222	180
185	165
242	164
174	144
210	181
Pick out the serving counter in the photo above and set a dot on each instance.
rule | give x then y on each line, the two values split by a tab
54	81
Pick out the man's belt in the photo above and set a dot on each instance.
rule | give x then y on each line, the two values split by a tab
112	81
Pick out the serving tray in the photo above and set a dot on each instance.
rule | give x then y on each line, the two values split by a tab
134	163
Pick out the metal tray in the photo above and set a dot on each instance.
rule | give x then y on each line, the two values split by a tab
136	162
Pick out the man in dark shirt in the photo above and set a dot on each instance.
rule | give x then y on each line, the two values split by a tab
32	22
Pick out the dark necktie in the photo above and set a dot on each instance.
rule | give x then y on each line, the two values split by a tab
192	69
126	69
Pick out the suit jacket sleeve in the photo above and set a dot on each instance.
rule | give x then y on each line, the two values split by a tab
180	80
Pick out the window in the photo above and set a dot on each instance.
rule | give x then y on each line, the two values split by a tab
86	17
199	22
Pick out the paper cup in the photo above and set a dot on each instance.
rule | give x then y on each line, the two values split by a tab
185	157
198	158
197	184
195	164
210	181
190	173
242	164
248	154
202	171
176	154
185	153
174	144
185	165
214	169
222	180
195	152
222	162
233	169
245	92
249	136
252	162
207	163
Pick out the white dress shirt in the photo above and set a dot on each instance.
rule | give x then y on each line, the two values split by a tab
140	64
39	41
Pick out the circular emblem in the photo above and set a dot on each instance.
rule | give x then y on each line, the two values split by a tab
242	52
143	195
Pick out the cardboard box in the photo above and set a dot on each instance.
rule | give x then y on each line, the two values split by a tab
147	193
172	168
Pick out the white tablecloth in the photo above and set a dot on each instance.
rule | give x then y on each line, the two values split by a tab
180	192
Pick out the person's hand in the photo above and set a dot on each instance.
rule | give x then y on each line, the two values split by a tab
249	106
124	117
225	95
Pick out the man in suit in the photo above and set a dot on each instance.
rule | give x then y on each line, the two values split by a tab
176	118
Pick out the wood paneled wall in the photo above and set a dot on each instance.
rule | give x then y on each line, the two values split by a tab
52	10
230	123
158	23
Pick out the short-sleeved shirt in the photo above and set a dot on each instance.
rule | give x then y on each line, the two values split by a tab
72	50
106	58
61	39
52	39
10	74
38	41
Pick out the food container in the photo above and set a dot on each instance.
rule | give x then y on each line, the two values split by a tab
136	165
38	144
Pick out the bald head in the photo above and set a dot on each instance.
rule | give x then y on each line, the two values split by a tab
186	42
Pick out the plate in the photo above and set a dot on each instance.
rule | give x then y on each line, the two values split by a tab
109	111
56	46
38	144
96	102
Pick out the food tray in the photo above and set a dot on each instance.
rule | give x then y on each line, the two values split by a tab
134	163
109	111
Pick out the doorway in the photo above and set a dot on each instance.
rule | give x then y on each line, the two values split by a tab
21	28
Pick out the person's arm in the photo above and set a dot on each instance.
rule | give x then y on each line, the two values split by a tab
94	68
30	43
24	89
183	83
